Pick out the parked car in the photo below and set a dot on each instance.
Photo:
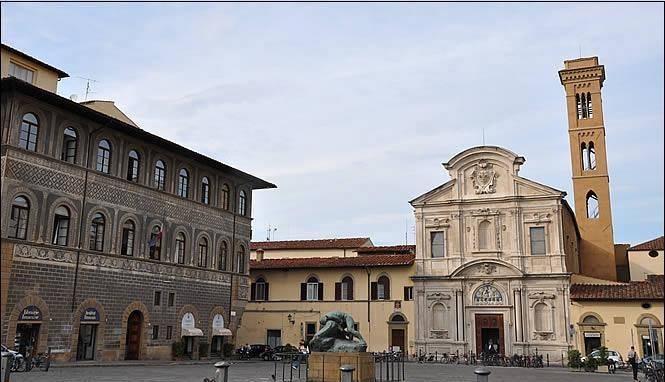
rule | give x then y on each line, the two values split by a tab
272	354
612	355
256	350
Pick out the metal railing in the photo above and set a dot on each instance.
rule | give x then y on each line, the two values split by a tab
389	367
290	367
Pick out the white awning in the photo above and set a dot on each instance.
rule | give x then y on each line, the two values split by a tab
192	332
221	332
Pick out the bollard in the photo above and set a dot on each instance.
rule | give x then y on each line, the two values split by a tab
548	359
346	373
222	373
5	366
482	374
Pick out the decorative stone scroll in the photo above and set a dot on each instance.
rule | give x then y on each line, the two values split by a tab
487	294
484	177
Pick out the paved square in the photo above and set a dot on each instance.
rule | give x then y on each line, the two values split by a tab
262	371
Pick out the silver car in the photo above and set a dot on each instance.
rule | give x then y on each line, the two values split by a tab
612	355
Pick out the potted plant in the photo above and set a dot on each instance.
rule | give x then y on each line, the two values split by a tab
574	359
590	364
203	349
603	360
178	350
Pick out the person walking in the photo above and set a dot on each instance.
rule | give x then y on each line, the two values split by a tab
632	360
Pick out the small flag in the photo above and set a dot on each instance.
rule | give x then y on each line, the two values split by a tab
153	242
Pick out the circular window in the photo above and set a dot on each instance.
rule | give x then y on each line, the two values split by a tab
646	305
653	253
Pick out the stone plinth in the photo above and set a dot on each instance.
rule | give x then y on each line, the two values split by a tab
324	367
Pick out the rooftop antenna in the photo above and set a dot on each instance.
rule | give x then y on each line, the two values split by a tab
406	231
483	136
580	50
87	86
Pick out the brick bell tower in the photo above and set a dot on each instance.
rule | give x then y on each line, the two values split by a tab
582	80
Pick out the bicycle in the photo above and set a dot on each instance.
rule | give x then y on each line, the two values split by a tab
41	361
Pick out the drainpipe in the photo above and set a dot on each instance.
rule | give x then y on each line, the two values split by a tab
369	297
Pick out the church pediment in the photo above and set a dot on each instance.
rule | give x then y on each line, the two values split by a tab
486	269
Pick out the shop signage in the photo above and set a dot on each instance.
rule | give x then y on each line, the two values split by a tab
30	313
218	321
90	315
591	335
188	321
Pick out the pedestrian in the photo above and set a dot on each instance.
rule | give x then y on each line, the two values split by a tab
632	360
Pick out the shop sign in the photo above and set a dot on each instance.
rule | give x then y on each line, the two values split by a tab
188	321
90	315
30	313
591	335
218	321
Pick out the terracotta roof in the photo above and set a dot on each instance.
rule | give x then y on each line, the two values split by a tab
343	243
386	249
657	244
650	289
333	262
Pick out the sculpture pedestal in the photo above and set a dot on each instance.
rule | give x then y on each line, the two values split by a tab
324	366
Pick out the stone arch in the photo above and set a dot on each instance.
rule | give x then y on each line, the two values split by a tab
545	323
188	242
42	119
199	236
501	299
215	310
593	314
150	223
143	161
109	233
187	308
73	220
168	170
115	150
656	324
143	347
30	299
498	263
191	181
34	205
81	135
138	231
76	325
218	250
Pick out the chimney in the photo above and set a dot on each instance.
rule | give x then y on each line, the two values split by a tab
259	254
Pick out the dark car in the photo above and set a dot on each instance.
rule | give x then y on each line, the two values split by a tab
275	353
256	350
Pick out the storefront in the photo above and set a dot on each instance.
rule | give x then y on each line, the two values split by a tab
219	332
28	325
89	324
190	335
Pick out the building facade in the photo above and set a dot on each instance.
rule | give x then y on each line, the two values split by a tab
116	243
494	253
646	259
295	286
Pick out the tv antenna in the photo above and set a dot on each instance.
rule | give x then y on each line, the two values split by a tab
270	231
87	86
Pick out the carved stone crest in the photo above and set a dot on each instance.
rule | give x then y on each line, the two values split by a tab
484	177
488	268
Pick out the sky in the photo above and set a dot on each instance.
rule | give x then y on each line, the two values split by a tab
351	108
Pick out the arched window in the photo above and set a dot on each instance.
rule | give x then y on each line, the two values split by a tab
578	102
592	156
585	156
592	211
128	232
226	196
381	288
160	175
97	228
590	320
540	319
585	111
397	317
27	135
133	166
183	183
155	243
180	243
61	226
487	295
240	260
223	253
438	317
203	252
484	235
205	190
260	290
69	145
312	290
242	203
18	221
589	106
103	156
344	289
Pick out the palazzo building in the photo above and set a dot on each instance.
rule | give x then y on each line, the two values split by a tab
116	243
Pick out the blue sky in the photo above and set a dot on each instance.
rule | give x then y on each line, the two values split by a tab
351	108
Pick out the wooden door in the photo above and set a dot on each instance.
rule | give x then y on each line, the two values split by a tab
489	321
398	338
133	342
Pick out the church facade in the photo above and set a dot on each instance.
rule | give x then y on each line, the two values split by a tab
494	254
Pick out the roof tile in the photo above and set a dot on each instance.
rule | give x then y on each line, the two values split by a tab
657	244
650	289
333	262
343	243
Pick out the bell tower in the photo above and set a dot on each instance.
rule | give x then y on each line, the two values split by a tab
583	80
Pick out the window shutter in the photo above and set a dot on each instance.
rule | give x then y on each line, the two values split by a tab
338	291
267	293
303	291
351	291
406	294
252	295
387	290
373	291
320	291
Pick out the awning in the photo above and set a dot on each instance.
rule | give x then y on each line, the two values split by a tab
221	332
192	332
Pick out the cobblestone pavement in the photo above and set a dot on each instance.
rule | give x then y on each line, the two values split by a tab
262	371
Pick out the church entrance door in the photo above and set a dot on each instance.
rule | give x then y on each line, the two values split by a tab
489	333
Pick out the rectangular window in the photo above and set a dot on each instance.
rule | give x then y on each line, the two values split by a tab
169	332
310	331
158	298
155	332
21	72
312	291
437	244
537	236
171	299
408	293
345	291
